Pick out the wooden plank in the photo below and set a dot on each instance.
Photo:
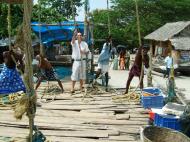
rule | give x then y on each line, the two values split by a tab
97	111
132	129
78	107
45	126
129	129
131	117
122	138
18	132
56	120
72	139
73	114
86	134
90	102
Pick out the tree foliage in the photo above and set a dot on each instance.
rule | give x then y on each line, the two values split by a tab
16	18
55	10
49	11
152	13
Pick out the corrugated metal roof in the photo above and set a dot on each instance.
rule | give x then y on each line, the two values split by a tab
167	31
181	43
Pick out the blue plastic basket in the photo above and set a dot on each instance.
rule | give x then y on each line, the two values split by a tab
152	101
154	91
168	121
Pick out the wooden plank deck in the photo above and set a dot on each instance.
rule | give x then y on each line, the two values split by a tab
72	118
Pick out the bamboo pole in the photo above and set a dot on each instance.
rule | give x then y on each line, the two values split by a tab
138	22
28	62
86	34
85	20
9	24
140	42
73	11
92	45
109	28
149	75
42	51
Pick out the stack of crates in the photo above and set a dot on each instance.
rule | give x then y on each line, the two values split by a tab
155	100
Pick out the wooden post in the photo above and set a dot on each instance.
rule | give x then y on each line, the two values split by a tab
149	75
73	11
42	50
28	77
86	36
138	23
85	20
109	28
139	37
92	44
9	24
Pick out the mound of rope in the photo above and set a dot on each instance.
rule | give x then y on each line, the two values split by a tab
11	99
131	96
51	90
19	102
97	89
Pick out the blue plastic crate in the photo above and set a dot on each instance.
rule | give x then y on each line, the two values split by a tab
152	90
168	121
156	100
152	101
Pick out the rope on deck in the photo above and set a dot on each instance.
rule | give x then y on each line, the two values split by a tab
11	99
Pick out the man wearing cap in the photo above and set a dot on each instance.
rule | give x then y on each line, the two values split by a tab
79	53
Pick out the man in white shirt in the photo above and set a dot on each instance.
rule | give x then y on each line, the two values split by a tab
79	53
169	61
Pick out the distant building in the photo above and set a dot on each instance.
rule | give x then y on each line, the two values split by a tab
173	37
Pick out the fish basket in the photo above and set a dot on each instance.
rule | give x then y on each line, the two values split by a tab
160	134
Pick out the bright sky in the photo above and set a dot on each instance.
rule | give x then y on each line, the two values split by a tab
94	4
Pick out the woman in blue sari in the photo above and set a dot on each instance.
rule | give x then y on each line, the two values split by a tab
10	80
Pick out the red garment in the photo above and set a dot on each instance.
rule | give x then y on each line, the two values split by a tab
135	71
122	63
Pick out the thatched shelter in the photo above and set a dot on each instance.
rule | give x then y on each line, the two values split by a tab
173	37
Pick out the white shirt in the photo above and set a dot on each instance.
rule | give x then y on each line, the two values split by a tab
168	61
76	54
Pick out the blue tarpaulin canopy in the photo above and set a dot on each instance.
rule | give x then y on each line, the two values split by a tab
57	32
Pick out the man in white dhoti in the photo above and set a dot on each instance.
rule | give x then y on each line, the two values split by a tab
79	53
